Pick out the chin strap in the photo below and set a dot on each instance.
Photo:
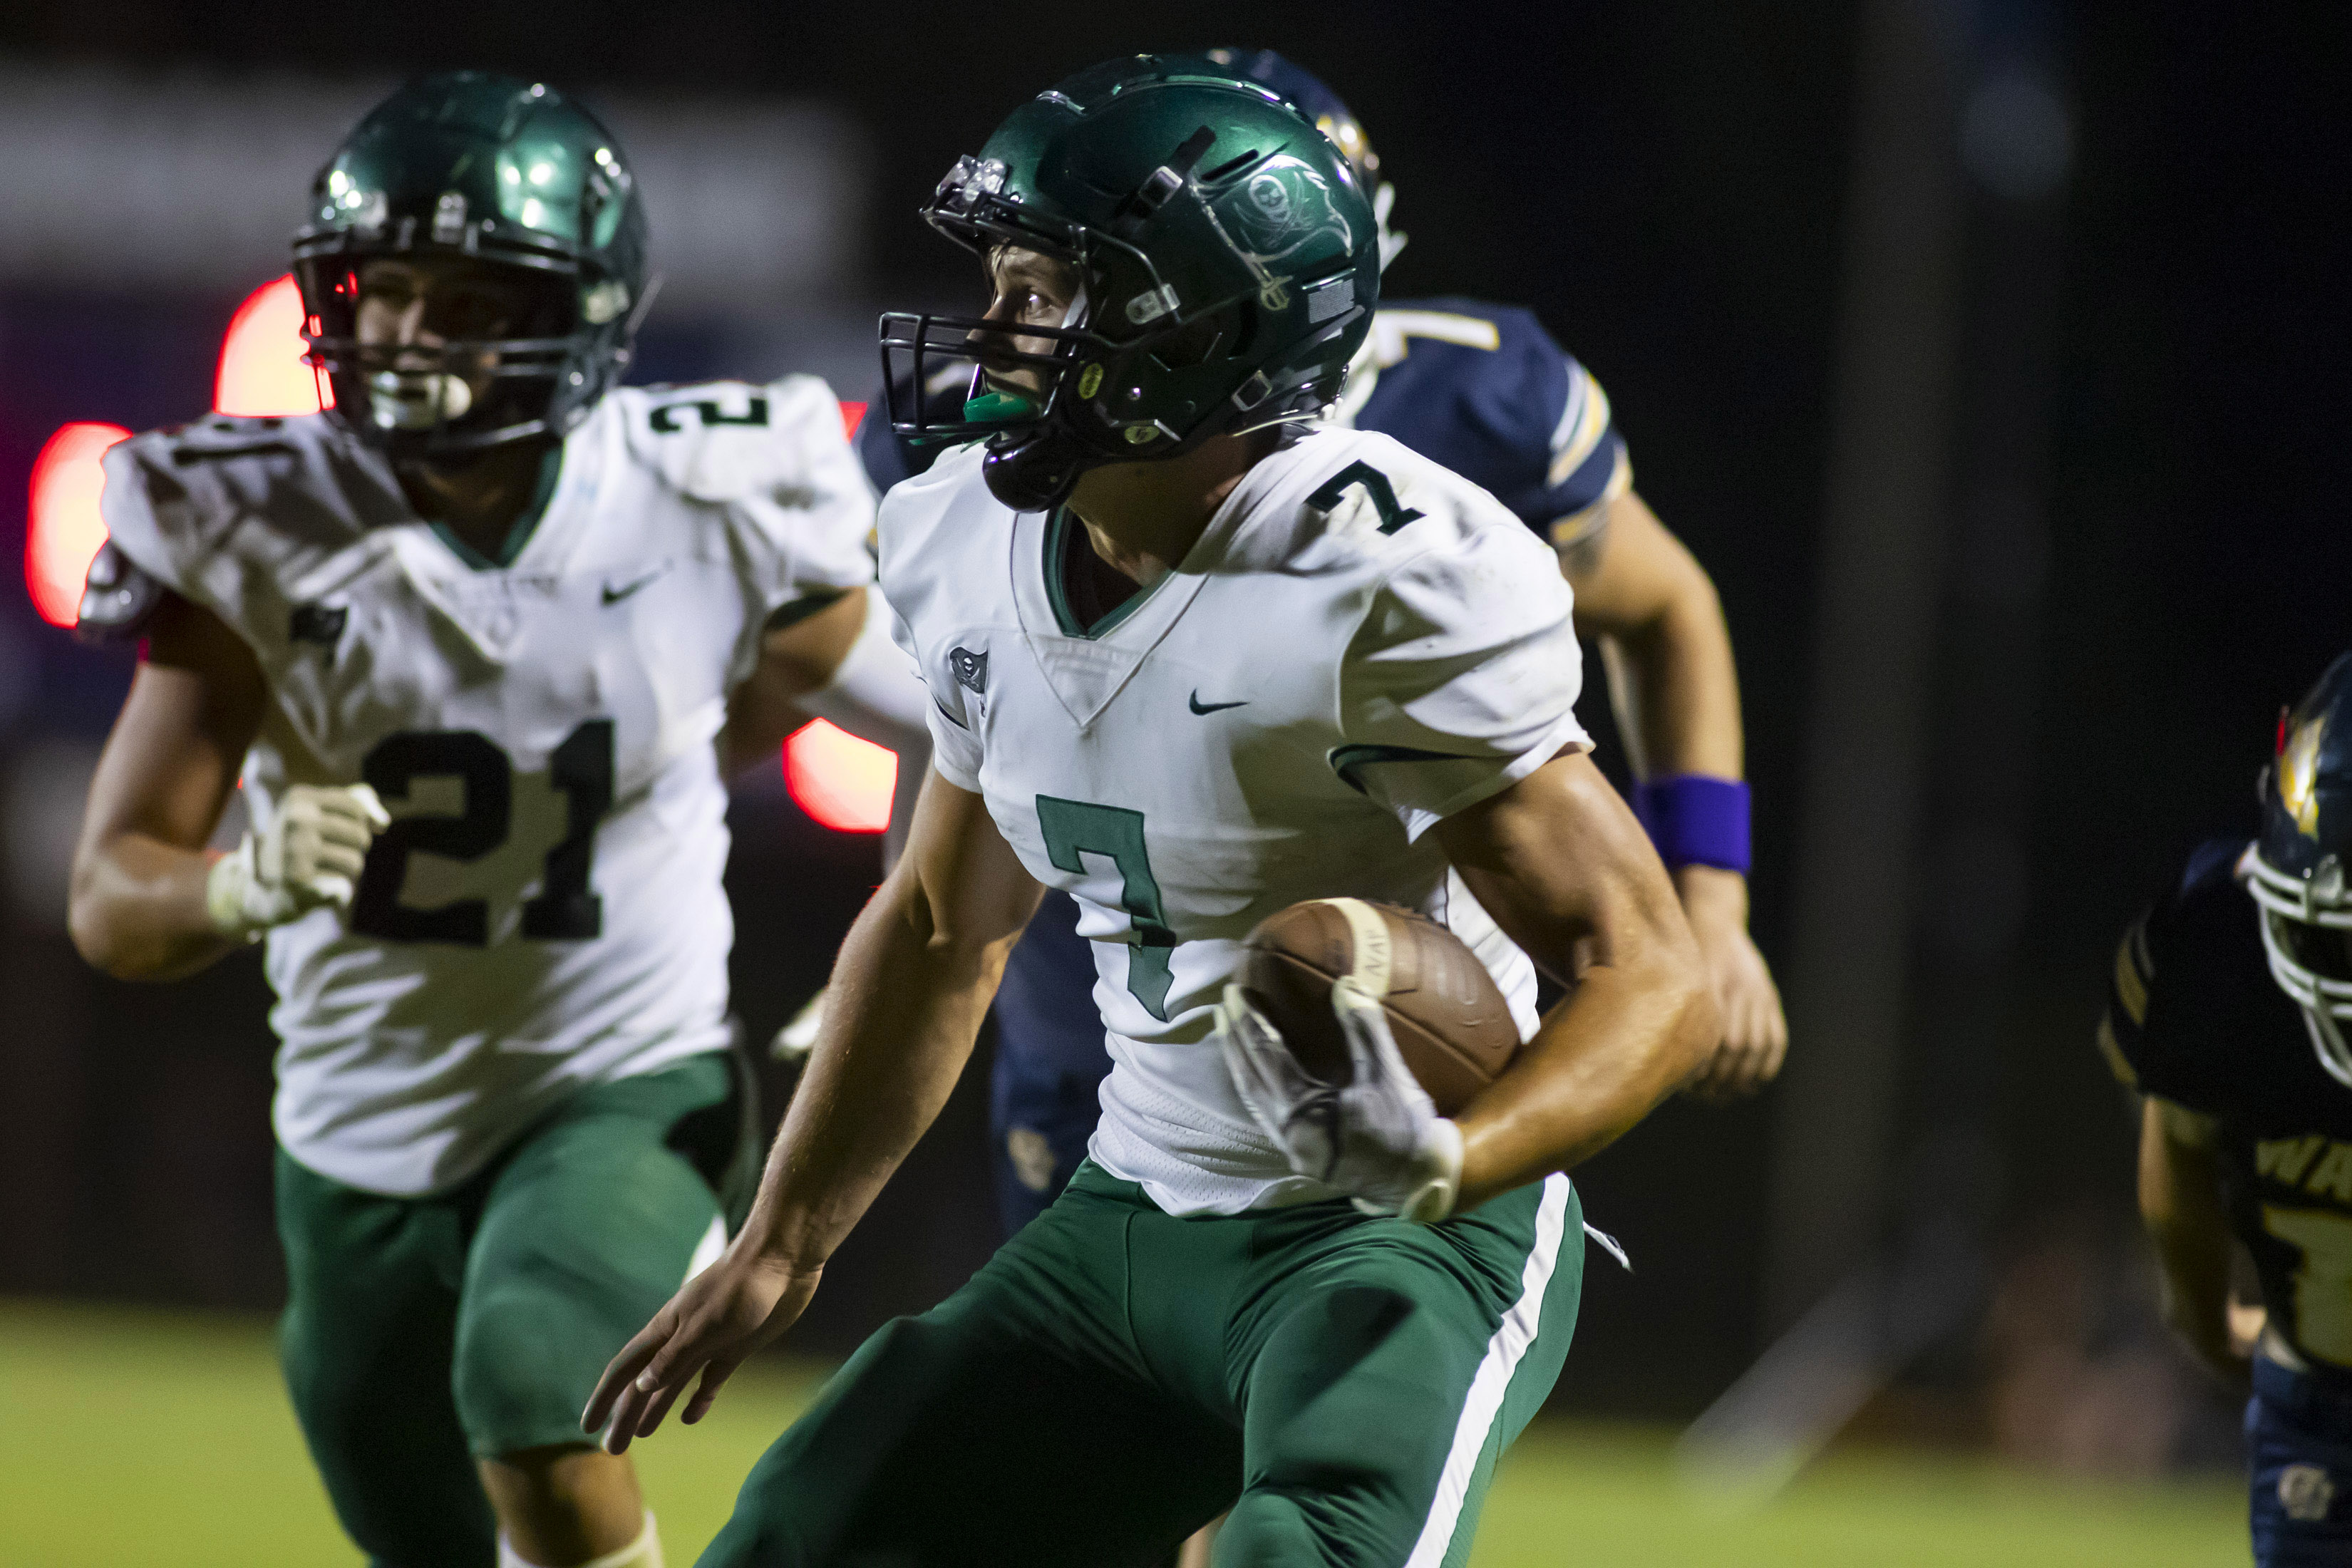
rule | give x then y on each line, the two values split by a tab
1037	473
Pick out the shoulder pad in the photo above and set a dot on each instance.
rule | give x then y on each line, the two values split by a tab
916	509
2188	977
219	436
1484	390
222	456
1379	499
1420	325
208	507
166	507
728	440
118	600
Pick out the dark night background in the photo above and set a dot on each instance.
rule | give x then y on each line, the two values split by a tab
1665	184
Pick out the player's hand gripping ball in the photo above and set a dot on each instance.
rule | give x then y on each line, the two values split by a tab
308	855
1353	1031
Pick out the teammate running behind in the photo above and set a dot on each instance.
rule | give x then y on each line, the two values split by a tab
477	639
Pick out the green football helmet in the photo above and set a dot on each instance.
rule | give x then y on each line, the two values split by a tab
1305	92
1228	256
507	172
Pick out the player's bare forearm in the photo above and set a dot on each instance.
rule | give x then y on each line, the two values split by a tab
907	994
913	982
137	909
2180	1205
136	905
798	654
1674	689
1562	866
1673	683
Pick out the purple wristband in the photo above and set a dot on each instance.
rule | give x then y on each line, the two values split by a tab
1695	820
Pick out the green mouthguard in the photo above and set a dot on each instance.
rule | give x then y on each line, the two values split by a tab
998	407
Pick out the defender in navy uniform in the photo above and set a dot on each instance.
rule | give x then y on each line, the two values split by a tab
2228	1012
1484	390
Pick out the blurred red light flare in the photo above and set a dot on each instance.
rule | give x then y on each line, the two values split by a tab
261	369
842	782
63	528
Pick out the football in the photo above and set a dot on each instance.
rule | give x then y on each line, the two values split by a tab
1451	1022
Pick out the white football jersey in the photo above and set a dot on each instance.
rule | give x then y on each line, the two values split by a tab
545	910
1361	644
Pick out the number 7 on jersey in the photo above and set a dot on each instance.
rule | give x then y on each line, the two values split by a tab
1075	828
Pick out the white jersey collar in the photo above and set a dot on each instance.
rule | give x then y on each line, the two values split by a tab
480	601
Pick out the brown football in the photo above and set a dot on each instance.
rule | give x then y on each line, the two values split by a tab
1452	1025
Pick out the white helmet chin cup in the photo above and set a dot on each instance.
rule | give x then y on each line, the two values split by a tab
418	399
2318	901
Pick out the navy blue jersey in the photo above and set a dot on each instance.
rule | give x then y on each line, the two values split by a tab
1484	391
2193	1017
1480	389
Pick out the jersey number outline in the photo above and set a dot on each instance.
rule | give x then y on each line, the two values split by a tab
2323	1283
1375	485
1073	828
663	419
565	909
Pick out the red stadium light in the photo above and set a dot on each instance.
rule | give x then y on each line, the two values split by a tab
261	369
63	529
842	782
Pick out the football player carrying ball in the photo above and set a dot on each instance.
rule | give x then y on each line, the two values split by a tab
1193	658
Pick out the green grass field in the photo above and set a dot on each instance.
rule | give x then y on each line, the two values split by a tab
142	1437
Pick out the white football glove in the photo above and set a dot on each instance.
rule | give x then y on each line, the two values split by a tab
308	855
1376	1137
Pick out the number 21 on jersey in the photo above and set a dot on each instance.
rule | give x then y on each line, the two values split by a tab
566	908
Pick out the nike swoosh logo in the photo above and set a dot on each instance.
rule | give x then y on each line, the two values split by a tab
614	596
1199	707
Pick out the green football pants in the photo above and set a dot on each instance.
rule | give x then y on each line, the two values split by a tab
421	1332
1114	1378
